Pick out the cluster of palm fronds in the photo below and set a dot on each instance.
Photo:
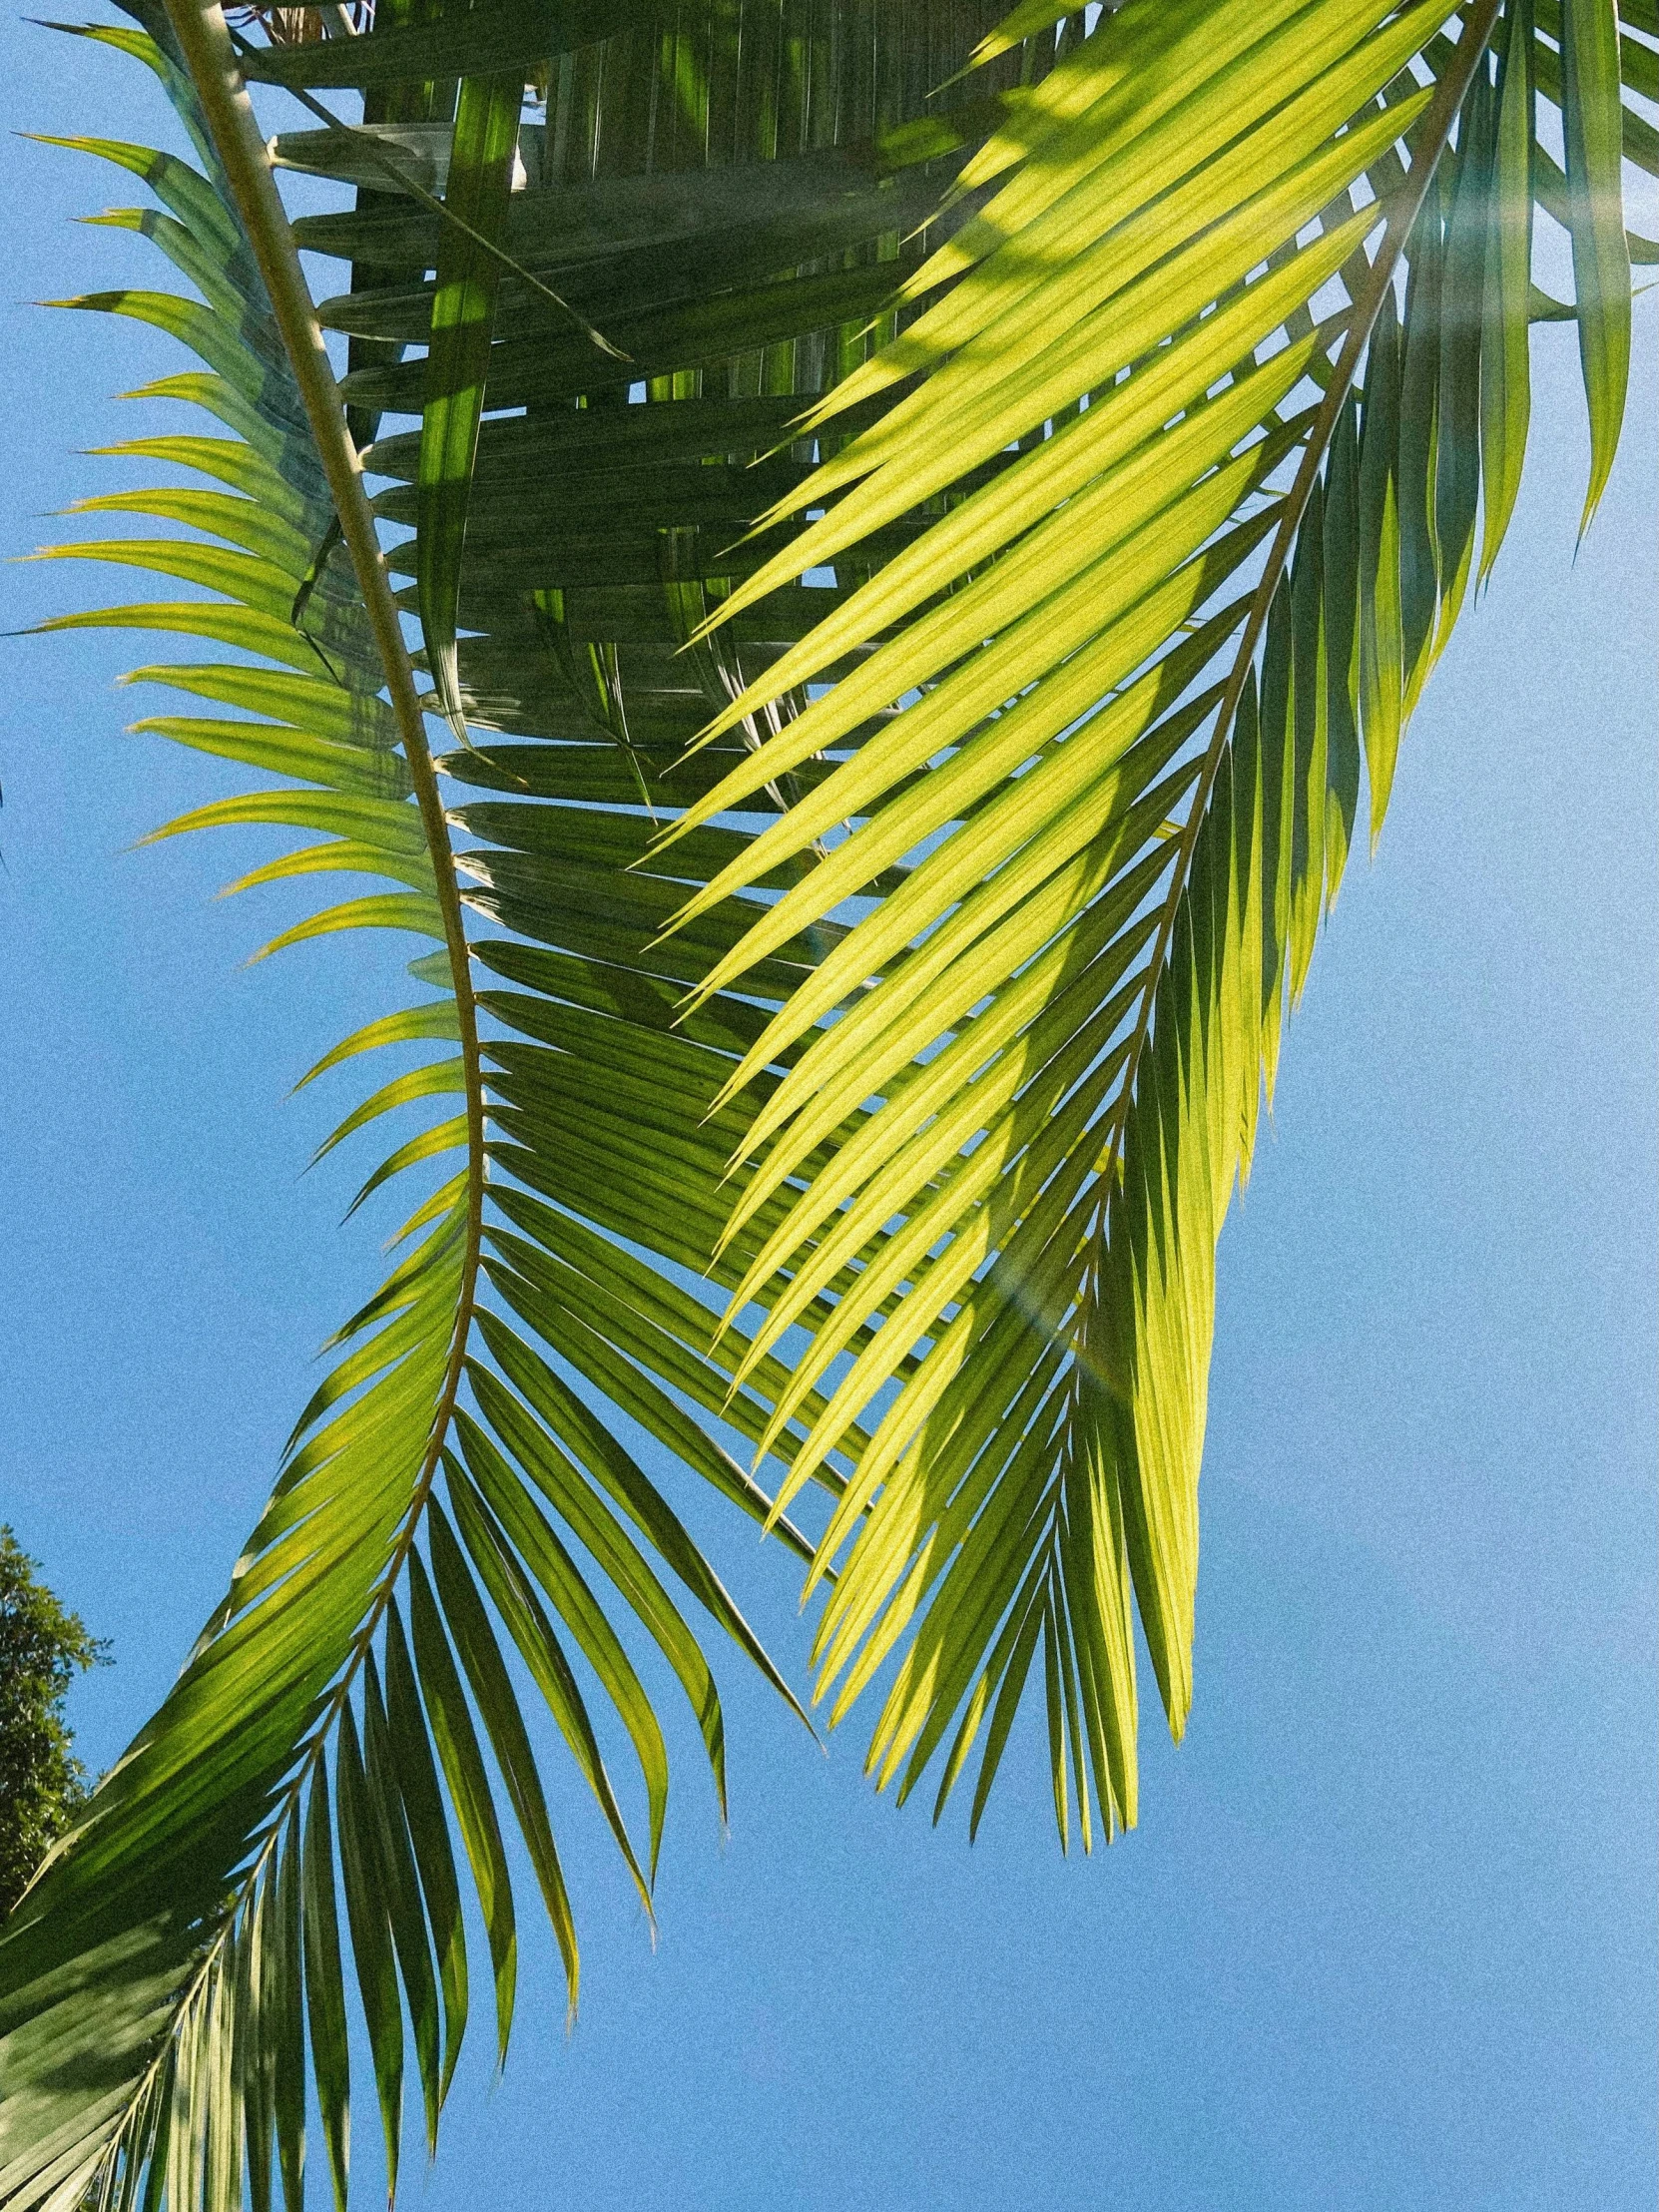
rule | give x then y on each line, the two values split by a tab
924	533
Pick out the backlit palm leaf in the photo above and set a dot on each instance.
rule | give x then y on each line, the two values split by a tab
1132	675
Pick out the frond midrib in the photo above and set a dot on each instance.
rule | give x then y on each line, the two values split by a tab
205	41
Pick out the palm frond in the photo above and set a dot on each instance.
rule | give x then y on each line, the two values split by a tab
1118	767
464	1487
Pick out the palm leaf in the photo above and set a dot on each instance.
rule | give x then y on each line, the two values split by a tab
1122	685
462	1509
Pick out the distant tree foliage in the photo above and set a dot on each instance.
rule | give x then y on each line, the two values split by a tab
42	1647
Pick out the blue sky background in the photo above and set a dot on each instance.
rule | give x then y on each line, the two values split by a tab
1386	1934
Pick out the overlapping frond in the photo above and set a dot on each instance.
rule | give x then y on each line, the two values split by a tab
1130	683
464	1505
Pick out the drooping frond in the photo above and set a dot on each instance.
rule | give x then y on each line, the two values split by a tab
334	1771
1202	400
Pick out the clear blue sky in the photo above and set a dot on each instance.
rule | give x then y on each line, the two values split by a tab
1385	1935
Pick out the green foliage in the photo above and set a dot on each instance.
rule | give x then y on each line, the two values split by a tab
1122	786
42	1784
925	534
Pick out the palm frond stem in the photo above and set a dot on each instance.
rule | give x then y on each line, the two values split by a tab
204	38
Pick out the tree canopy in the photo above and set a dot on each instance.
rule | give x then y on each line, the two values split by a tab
42	1647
